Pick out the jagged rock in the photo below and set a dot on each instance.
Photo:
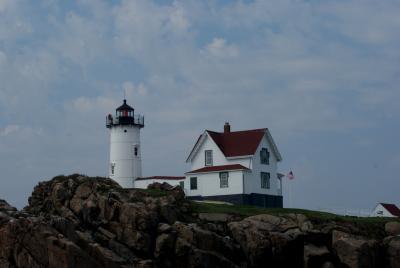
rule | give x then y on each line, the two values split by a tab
327	264
315	256
5	207
261	240
392	228
160	186
165	245
355	251
77	221
164	228
392	245
215	217
193	242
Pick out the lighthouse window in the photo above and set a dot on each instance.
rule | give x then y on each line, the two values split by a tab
135	150
125	130
112	168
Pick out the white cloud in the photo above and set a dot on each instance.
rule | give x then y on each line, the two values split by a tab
4	4
219	48
133	91
83	105
297	67
20	131
13	22
370	22
178	18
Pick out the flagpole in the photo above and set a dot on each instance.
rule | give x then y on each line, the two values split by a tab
290	194
290	177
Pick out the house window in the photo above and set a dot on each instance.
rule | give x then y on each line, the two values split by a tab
264	156
223	179
112	168
193	183
265	180
279	184
208	157
182	184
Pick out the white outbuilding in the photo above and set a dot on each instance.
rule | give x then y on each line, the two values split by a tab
239	167
386	210
125	152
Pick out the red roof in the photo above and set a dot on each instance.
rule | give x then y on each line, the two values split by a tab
160	178
238	143
393	209
219	168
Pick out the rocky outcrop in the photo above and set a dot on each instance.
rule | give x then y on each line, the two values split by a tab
77	221
392	228
355	251
392	245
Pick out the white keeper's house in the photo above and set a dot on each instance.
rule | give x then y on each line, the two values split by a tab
239	167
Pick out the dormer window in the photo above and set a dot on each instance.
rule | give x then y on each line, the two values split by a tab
264	156
208	158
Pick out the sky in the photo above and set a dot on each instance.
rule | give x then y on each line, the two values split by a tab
323	76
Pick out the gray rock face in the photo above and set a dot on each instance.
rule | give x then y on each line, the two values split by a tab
355	251
392	228
77	221
316	256
5	207
392	251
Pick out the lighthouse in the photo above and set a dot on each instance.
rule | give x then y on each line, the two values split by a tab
125	157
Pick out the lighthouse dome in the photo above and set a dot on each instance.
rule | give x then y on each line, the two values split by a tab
125	115
125	107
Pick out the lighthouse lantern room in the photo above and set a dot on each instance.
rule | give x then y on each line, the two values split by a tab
125	157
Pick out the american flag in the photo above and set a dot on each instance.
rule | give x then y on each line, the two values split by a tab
290	175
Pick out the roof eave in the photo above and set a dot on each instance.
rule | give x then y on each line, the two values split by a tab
274	147
217	171
239	156
194	149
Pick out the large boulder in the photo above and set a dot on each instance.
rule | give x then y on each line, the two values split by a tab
263	238
392	228
5	207
392	245
196	247
356	251
316	256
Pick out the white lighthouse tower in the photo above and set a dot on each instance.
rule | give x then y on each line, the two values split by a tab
125	158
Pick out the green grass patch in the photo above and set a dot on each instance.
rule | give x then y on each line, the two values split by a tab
246	211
